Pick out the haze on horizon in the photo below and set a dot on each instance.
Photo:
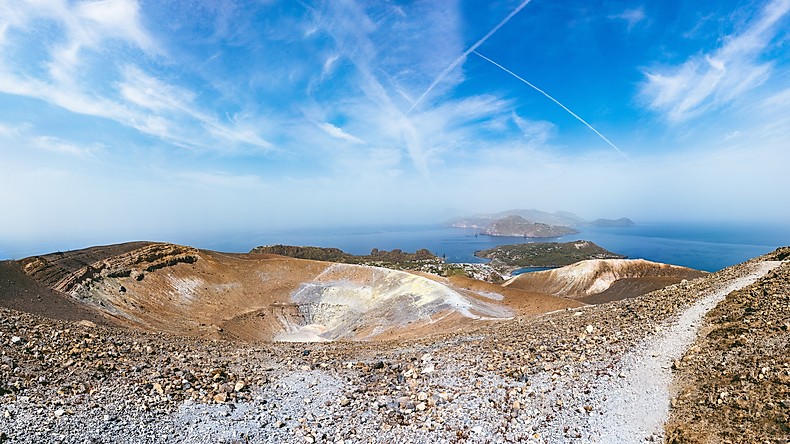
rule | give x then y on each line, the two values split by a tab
125	119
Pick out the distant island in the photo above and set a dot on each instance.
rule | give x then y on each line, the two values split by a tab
517	226
622	222
532	223
506	258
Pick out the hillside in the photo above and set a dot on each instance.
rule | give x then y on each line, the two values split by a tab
733	383
594	278
255	297
389	259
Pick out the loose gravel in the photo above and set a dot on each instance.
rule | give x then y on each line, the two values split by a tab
551	379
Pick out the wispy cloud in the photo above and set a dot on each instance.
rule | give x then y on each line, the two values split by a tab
631	17
134	98
23	137
384	55
713	79
538	132
449	68
338	133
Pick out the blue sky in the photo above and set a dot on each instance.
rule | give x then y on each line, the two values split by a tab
126	119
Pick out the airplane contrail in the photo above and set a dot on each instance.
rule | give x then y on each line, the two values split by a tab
557	102
463	56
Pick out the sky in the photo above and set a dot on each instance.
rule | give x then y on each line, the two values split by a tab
137	119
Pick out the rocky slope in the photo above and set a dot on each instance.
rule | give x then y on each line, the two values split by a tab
603	279
733	384
546	379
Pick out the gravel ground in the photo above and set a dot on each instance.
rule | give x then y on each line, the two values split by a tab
733	384
551	379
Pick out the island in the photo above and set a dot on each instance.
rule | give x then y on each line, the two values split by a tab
517	226
613	223
507	258
533	223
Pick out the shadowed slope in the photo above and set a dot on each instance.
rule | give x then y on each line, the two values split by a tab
19	292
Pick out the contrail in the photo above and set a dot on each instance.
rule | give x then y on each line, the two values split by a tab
461	58
557	102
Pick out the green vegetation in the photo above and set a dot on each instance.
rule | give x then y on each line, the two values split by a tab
396	259
422	260
544	254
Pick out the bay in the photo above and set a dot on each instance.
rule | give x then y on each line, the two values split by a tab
708	247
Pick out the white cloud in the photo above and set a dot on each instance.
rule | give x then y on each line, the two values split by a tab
329	65
85	25
115	18
137	99
393	63
710	80
536	131
153	94
338	133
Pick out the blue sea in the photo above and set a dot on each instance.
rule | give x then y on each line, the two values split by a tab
706	247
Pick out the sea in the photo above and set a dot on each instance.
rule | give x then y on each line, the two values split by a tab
708	247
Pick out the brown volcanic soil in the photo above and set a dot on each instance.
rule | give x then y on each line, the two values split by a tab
632	287
605	280
19	292
525	380
733	384
523	302
181	290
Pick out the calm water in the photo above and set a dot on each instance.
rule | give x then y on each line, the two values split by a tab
704	247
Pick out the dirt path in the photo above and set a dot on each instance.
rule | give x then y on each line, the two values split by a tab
636	404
